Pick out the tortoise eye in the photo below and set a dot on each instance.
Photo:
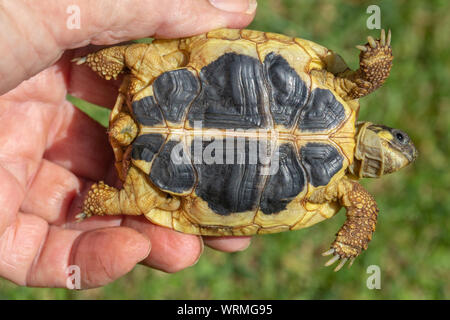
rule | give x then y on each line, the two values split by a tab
401	137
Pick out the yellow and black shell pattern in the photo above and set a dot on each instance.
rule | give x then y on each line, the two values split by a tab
243	93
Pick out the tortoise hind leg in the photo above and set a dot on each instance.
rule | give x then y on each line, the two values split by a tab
108	62
135	198
375	62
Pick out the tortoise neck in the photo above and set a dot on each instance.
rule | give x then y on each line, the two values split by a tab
368	158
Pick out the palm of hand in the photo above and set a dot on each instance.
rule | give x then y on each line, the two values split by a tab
50	153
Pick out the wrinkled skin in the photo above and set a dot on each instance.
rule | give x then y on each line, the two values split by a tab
50	152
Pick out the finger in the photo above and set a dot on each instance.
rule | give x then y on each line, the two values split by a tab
24	131
104	255
36	118
125	20
79	144
228	244
172	251
40	42
11	195
32	254
19	245
51	193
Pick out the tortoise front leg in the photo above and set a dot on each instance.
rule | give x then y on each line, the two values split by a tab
356	233
143	60
375	62
362	212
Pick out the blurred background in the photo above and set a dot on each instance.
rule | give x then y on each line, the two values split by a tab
412	241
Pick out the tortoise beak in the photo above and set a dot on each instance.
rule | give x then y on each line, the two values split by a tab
414	155
396	156
410	152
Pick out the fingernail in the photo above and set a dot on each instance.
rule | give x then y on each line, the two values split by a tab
252	4
202	245
238	6
144	249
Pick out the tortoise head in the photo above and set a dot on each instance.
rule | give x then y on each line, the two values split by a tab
381	150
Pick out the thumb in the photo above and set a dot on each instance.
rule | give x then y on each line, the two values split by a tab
36	36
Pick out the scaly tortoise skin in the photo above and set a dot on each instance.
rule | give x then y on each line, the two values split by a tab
294	99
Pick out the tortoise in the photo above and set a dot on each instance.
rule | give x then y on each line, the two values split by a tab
240	132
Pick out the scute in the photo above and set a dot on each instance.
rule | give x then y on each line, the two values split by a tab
322	112
288	91
229	188
174	91
147	112
232	94
321	161
288	181
146	146
170	173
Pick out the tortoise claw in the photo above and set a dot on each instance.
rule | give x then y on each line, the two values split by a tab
341	264
79	60
362	48
332	260
337	257
383	37
351	262
327	253
374	44
81	216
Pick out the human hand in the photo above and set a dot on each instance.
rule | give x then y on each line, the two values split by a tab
50	152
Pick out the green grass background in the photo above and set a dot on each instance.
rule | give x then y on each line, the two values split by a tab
412	241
